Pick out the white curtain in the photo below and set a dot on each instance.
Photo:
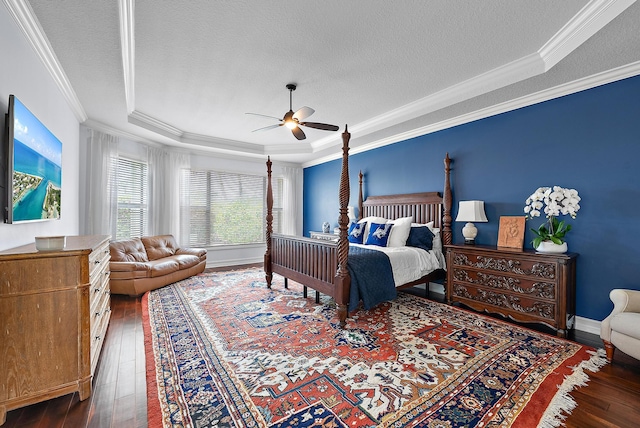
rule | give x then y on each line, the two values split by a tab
98	191
292	201
165	168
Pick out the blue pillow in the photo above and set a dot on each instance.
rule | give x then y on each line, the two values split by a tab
420	237
379	234
356	232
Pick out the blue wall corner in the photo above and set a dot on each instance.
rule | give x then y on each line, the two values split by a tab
589	141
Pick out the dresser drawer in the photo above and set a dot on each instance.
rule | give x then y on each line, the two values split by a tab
99	324
507	284
99	284
98	259
519	307
522	266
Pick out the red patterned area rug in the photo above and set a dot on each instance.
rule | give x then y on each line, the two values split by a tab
223	350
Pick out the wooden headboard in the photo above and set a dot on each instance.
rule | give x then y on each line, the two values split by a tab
423	207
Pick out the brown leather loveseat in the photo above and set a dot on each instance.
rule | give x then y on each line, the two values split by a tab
141	264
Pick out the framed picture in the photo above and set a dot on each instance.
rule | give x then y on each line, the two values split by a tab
511	232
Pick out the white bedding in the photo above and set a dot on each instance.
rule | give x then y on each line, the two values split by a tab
409	263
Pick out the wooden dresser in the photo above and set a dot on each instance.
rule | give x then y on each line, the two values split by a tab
54	313
521	285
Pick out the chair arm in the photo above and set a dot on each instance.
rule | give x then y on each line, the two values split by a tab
198	252
625	300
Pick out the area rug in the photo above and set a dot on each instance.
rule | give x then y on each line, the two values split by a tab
223	350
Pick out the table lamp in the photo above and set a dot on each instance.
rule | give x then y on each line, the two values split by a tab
471	211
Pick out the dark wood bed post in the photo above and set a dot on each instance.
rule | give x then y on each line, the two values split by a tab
446	202
360	199
342	279
267	255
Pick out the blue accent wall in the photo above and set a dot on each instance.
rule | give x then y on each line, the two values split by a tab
589	141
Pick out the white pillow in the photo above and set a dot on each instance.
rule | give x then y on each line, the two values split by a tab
429	225
437	240
399	231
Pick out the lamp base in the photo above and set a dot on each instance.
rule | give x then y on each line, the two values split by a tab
469	231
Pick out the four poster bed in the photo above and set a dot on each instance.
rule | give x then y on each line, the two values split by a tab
324	265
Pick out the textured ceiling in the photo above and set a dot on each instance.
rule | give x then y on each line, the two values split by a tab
185	73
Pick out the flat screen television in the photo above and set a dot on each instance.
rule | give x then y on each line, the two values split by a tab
33	167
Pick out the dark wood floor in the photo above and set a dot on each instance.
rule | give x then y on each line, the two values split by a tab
611	399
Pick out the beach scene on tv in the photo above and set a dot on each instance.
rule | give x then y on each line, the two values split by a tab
37	168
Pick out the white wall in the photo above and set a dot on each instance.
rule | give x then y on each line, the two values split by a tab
23	75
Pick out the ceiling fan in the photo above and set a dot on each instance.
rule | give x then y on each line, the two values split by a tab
294	121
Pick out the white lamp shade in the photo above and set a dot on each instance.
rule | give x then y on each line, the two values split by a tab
471	211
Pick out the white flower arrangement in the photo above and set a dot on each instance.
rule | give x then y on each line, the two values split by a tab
553	201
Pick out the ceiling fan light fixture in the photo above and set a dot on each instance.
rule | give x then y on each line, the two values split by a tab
294	121
291	124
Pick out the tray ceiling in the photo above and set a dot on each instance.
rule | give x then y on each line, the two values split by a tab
186	73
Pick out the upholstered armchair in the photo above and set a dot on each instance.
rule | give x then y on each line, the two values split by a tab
621	329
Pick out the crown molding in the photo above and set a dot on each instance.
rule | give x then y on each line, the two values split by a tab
222	143
25	18
128	47
587	22
504	75
102	127
589	82
162	128
150	123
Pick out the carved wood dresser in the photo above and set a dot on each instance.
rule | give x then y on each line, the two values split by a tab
523	286
54	314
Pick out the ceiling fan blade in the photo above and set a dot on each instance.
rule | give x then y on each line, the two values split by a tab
323	126
266	128
264	115
298	133
303	113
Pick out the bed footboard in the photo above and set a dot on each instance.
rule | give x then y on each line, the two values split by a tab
311	262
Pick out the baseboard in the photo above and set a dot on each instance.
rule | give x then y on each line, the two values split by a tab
233	262
588	325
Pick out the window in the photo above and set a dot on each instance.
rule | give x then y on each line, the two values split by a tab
226	208
131	179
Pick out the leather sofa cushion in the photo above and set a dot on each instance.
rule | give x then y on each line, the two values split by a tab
163	266
627	324
198	252
186	260
128	250
159	246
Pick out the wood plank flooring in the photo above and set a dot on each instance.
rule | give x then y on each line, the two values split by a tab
611	398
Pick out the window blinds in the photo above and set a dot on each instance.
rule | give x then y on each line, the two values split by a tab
226	208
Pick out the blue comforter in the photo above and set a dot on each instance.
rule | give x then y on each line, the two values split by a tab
371	278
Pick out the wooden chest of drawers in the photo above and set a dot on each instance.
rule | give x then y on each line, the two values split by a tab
54	313
523	286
